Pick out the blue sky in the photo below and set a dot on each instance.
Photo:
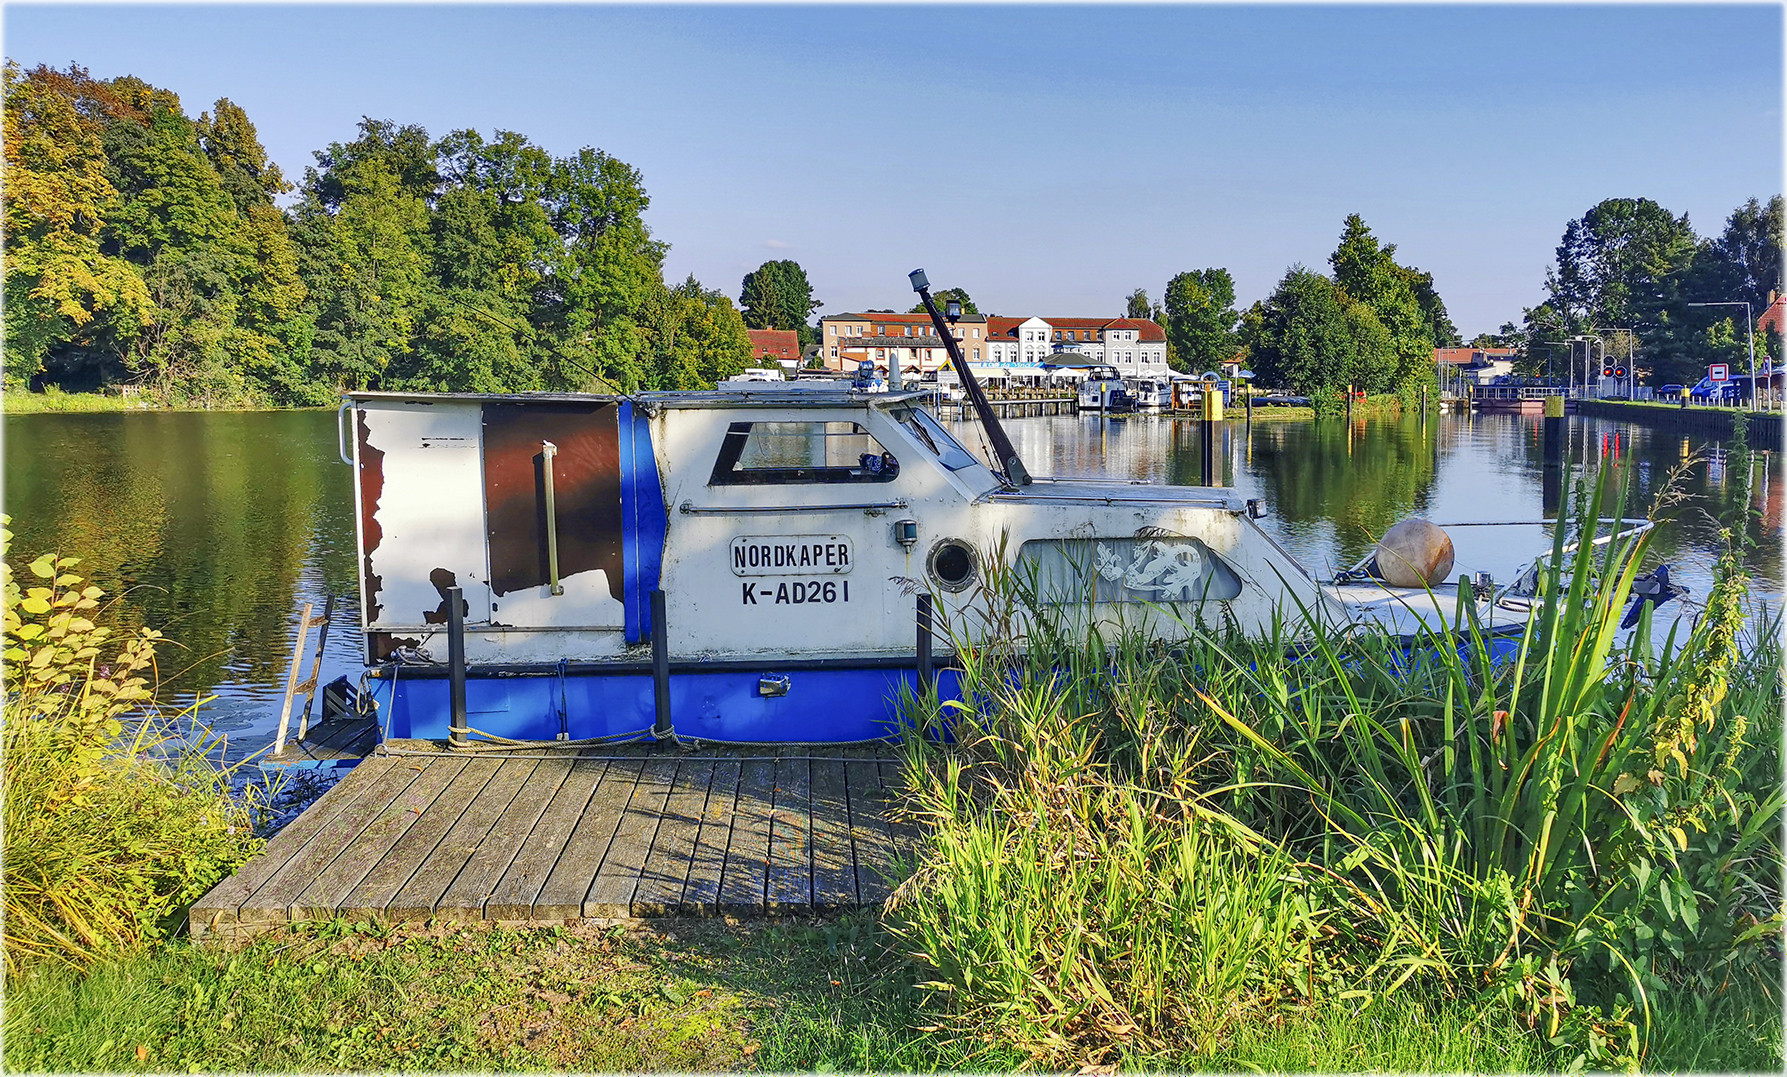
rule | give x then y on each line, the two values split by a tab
1048	159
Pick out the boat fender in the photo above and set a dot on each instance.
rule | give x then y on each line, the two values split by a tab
1414	553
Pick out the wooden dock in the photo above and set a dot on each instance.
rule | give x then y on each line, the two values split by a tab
342	742
604	832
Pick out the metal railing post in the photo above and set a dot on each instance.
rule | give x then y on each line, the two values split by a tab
458	733
661	724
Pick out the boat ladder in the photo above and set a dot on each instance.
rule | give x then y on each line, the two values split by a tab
308	686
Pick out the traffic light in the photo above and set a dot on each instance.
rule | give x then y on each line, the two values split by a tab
1607	372
1619	372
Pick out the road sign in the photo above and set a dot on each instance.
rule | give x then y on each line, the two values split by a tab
1719	372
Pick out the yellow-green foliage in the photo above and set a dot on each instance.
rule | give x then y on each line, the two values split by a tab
108	837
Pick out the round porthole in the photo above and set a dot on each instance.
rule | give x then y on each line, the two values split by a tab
951	564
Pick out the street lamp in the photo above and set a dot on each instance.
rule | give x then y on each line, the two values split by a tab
1750	328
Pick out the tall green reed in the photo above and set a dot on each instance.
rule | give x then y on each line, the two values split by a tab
1582	822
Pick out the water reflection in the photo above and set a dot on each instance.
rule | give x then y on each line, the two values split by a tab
214	528
1332	487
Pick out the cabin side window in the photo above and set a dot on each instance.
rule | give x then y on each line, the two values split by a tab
801	453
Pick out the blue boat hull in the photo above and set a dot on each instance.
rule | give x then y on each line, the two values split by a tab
829	705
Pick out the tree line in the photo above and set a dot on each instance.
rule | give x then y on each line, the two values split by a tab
144	246
1631	273
1371	326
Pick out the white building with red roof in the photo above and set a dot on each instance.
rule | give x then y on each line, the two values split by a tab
1137	347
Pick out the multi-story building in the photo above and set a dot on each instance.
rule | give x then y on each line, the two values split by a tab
846	340
1135	346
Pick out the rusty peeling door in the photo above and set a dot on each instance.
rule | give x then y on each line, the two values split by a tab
573	450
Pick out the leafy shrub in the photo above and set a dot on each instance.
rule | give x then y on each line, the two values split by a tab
109	834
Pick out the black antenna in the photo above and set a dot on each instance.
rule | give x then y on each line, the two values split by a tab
1012	467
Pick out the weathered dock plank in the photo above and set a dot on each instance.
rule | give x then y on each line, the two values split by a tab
325	891
420	896
701	894
466	895
746	875
631	830
869	828
513	896
617	880
218	908
790	836
834	857
376	894
666	872
566	888
272	900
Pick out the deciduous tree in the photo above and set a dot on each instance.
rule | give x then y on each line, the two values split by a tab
63	290
777	295
1200	319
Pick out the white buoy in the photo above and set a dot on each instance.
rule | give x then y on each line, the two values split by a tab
1414	553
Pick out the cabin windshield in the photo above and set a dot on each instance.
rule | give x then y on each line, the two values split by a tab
789	453
931	435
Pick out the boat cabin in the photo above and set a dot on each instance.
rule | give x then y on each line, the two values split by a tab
790	532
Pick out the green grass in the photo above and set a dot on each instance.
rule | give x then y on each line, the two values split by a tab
696	995
54	400
25	402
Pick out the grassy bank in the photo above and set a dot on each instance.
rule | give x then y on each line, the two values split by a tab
115	819
24	402
692	995
55	401
1133	852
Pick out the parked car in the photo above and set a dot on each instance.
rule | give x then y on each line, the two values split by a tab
1671	391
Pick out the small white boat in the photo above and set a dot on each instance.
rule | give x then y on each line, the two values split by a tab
1102	390
1150	394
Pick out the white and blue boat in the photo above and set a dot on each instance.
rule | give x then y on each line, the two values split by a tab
762	563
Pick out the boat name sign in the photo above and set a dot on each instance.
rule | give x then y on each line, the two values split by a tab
791	555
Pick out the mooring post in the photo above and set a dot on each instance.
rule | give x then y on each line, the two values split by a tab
924	642
660	669
1555	430
458	734
1212	415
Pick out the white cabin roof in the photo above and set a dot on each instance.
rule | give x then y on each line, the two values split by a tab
771	394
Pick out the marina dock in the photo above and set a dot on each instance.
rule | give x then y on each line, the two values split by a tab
616	831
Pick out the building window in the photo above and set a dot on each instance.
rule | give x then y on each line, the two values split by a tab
977	355
834	353
834	330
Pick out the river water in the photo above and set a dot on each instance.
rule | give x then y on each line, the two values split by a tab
216	528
